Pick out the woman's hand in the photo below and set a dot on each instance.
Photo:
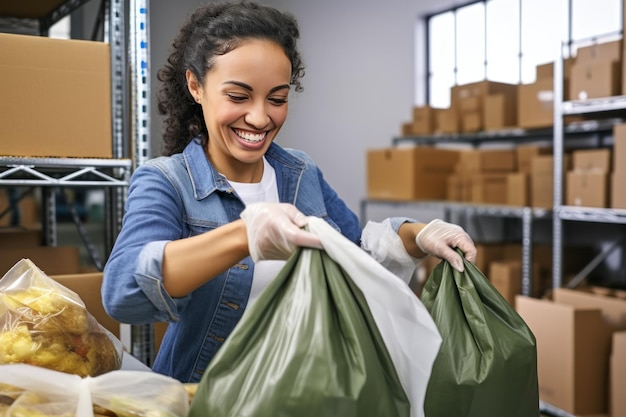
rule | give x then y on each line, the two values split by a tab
439	238
275	230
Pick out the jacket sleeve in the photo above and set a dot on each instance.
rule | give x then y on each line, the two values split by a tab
132	290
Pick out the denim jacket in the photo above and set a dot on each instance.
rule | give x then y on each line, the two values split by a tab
180	196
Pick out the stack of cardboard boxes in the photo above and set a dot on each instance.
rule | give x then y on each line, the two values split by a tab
581	346
596	71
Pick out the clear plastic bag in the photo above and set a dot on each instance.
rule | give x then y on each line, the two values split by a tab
35	391
45	324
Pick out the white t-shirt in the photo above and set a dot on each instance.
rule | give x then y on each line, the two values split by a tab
264	191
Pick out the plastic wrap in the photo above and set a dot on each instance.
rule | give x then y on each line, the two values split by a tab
27	391
45	324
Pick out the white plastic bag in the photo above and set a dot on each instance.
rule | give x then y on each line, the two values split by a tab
126	393
411	336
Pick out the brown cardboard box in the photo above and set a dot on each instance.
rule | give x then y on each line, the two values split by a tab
535	104
595	80
447	121
471	122
423	120
500	111
605	51
489	188
546	71
573	345
587	188
479	89
542	179
525	153
407	129
459	188
618	375
51	260
618	191
517	189
506	278
470	104
65	86
88	287
486	161
409	173
29	9
592	159
613	309
19	237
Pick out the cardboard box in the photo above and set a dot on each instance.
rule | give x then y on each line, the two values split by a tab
56	97
19	237
88	287
446	121
525	154
479	89
423	120
618	375
595	80
517	191
471	122
52	260
500	111
542	180
587	189
414	173
604	51
506	277
535	104
618	191
29	9
489	189
486	161
573	345
459	188
613	309
592	160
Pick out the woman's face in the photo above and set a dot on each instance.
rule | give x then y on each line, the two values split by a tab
244	101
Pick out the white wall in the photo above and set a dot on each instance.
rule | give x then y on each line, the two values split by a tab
360	78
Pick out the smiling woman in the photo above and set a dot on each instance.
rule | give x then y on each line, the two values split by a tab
209	224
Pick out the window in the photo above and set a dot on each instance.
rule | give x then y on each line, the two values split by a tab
504	40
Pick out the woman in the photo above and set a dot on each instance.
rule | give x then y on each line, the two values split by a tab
209	224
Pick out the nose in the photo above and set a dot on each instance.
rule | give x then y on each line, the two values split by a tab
257	116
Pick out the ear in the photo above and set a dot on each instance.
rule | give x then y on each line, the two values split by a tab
195	89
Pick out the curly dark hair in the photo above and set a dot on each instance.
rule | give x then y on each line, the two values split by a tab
216	29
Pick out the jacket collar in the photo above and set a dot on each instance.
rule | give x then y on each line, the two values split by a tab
198	166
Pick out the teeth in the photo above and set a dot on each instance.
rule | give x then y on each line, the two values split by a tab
250	137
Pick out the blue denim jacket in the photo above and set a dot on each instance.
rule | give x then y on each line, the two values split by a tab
183	195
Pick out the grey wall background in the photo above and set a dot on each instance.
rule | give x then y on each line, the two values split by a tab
360	82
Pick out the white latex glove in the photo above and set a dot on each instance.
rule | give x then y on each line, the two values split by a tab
439	238
274	230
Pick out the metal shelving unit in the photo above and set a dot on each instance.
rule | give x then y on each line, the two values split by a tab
130	143
596	107
467	211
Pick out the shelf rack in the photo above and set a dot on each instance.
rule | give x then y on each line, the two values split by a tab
452	210
130	127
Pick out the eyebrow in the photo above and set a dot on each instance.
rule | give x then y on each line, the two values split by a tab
249	88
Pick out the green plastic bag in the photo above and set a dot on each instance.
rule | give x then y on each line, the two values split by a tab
487	364
320	341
